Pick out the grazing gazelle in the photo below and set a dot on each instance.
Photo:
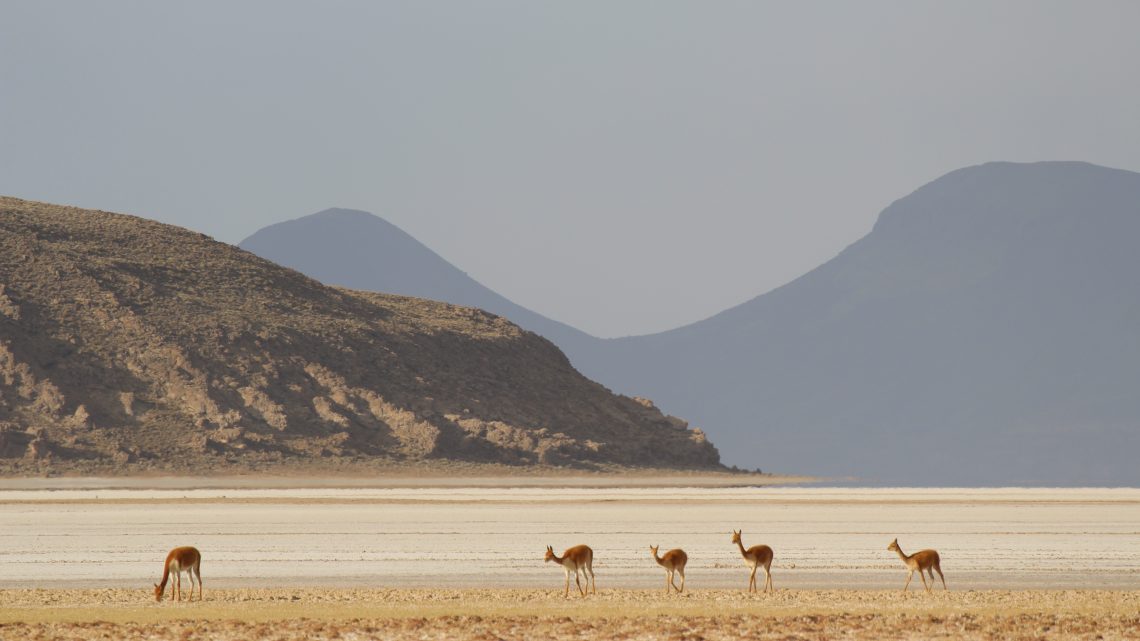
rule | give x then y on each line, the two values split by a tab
184	559
756	556
923	560
673	561
578	559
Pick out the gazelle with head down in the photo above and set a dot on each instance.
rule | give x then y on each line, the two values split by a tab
580	560
756	556
183	559
922	561
673	561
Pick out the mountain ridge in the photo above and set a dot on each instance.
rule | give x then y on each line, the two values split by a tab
990	260
977	319
126	344
375	255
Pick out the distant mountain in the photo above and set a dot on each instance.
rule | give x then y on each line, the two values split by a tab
987	330
355	249
126	344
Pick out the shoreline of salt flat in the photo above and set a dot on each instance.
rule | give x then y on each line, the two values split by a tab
404	480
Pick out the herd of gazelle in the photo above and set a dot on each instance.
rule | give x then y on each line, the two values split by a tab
580	560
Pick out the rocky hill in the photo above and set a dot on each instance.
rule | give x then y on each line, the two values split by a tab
126	345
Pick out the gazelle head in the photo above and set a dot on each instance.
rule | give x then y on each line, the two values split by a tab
157	592
549	553
653	549
736	536
894	546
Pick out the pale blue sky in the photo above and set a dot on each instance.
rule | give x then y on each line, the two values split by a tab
625	167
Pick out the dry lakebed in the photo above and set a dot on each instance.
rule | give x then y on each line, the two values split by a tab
454	559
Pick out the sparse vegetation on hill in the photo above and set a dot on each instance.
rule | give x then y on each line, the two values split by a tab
129	345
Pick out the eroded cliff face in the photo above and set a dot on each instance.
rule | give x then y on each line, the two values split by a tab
127	344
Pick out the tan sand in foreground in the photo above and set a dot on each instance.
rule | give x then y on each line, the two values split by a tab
535	614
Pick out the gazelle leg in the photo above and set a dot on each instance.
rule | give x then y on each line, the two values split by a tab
752	580
593	580
682	573
567	593
578	580
922	576
909	576
939	568
768	579
668	582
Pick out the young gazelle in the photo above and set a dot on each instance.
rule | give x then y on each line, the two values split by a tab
756	556
184	559
923	560
578	559
673	561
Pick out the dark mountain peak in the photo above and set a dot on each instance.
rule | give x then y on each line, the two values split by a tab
986	331
1012	191
335	221
348	216
356	249
342	212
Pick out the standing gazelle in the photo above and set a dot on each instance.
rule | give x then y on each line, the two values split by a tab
184	559
673	561
756	556
580	560
923	561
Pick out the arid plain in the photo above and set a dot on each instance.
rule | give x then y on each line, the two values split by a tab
416	558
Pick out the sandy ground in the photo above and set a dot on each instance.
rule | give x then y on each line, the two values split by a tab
545	614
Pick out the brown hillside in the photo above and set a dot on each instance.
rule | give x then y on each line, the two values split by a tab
126	344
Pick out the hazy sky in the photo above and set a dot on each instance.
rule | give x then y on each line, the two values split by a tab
625	167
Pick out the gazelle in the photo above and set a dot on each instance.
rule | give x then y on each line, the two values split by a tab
923	561
673	561
756	556
183	559
580	560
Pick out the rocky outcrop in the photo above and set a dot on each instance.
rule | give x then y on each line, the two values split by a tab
127	344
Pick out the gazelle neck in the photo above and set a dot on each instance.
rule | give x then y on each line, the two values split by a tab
165	575
660	561
902	555
740	544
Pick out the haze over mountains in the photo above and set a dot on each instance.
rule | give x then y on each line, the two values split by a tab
987	330
129	345
355	249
